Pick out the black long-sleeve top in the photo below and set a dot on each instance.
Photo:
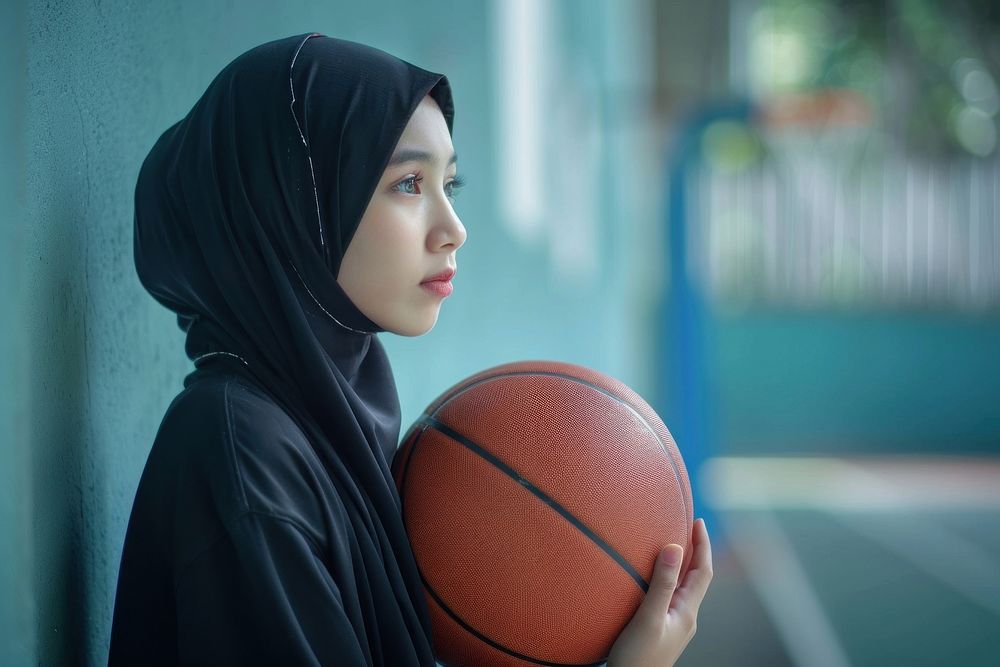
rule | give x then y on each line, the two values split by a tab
227	553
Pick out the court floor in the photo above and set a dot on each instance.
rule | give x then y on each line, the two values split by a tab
867	561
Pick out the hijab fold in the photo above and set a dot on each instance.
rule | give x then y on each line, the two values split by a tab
244	210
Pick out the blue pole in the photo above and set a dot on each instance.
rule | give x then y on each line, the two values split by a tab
685	324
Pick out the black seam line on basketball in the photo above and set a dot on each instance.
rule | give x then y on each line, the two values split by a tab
500	647
673	464
541	495
430	589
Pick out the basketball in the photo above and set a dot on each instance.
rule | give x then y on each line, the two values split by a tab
537	496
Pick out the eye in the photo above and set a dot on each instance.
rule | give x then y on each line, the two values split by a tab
452	187
408	185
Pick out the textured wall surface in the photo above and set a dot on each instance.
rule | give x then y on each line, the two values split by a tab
93	361
16	602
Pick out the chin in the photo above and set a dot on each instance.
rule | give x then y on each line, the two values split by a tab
414	327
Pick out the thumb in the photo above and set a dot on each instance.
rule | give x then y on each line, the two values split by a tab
661	587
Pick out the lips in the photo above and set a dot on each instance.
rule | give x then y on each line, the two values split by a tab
444	276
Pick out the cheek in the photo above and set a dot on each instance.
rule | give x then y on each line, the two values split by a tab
396	239
392	261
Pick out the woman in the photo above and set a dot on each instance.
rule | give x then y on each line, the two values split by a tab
296	211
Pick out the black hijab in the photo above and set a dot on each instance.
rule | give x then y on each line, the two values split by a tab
244	210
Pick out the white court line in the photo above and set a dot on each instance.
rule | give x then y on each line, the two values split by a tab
849	485
783	587
940	553
846	489
943	554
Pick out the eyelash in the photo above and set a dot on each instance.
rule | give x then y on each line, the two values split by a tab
455	184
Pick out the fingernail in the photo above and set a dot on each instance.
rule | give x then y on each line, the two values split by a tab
671	555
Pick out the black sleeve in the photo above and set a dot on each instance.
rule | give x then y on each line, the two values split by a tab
261	595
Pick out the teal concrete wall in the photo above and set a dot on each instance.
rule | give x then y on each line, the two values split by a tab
16	546
856	382
91	362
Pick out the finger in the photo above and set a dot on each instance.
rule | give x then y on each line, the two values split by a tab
701	558
695	585
656	604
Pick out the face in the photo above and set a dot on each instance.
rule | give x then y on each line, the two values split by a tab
409	232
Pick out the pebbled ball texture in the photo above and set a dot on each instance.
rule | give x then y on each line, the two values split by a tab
536	496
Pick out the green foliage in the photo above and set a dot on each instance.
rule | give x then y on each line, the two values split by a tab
928	67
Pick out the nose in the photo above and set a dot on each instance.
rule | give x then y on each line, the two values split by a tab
448	232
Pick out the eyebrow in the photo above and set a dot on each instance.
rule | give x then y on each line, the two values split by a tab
410	155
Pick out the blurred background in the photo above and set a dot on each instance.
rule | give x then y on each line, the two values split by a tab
777	220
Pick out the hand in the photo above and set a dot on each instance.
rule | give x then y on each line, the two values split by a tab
667	618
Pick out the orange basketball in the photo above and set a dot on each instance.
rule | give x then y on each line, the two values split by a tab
536	496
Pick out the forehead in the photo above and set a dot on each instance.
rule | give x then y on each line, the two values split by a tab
427	131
